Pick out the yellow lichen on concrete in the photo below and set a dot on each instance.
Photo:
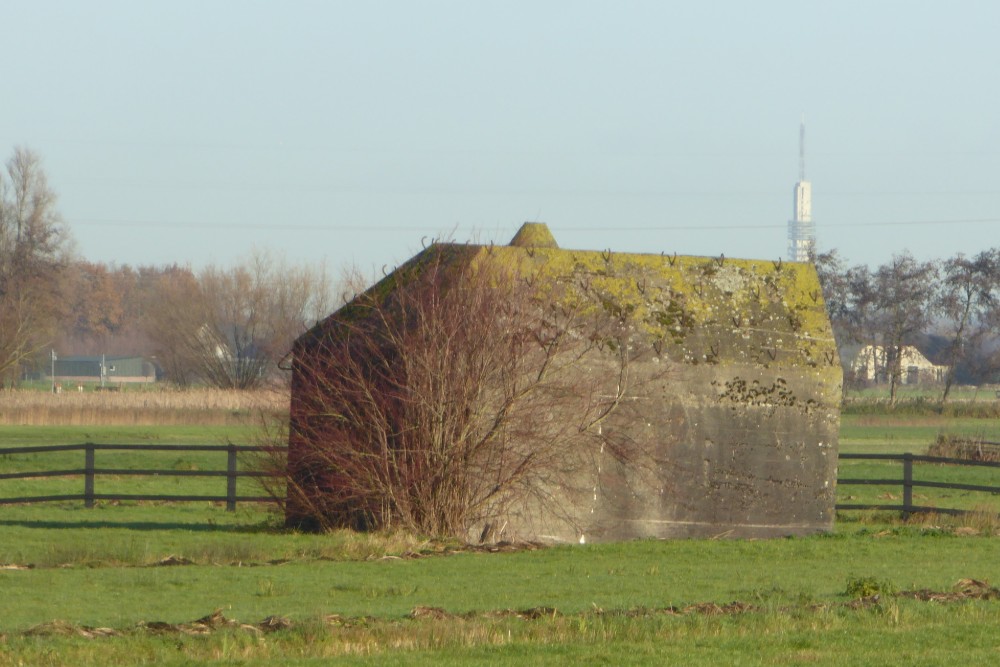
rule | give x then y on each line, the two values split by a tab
692	309
534	235
775	306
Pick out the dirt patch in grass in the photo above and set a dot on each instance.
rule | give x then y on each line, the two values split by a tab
203	626
964	589
434	548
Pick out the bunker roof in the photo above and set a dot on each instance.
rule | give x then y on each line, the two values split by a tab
700	309
534	235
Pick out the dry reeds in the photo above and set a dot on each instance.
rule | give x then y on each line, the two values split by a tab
139	408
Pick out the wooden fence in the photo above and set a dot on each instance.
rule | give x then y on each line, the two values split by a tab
908	483
90	472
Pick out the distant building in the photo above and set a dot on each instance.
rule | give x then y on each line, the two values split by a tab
871	363
91	369
801	231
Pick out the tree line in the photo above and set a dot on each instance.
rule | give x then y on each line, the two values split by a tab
232	326
951	305
225	326
229	327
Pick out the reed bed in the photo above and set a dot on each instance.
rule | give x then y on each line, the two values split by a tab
140	408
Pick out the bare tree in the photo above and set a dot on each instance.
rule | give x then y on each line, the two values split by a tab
970	290
834	277
840	286
450	393
32	240
107	307
230	327
170	324
850	301
93	302
897	304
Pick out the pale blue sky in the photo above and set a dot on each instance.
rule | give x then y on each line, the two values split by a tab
194	132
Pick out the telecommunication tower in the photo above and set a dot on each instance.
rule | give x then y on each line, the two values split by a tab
801	230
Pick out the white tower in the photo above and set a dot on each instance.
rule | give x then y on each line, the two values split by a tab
801	231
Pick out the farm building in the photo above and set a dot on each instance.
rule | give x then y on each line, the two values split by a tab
871	363
91	369
723	373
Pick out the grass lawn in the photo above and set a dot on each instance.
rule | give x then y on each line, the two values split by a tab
892	433
639	602
12	436
901	633
644	574
397	599
909	433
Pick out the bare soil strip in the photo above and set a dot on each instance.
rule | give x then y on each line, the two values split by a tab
964	590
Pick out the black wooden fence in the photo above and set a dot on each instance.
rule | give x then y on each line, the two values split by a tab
908	483
90	471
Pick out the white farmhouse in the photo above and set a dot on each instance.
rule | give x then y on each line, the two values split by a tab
872	363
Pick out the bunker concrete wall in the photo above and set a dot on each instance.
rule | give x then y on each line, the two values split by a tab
739	434
734	398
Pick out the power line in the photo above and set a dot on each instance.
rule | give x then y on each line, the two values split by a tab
826	225
596	228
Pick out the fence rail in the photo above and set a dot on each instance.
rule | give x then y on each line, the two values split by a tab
908	483
90	472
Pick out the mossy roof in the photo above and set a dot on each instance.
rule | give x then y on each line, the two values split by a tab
711	309
534	235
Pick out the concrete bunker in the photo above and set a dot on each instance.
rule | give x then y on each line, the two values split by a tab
739	437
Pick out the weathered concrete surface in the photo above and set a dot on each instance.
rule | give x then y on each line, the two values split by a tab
741	435
735	406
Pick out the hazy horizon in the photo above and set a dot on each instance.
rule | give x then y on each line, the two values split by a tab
196	132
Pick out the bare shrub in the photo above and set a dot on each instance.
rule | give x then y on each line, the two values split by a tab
231	327
953	447
450	393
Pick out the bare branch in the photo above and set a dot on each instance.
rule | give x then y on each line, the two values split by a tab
448	394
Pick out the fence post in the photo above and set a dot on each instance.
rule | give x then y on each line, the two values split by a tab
88	476
907	485
231	480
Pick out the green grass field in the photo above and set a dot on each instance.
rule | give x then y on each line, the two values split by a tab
896	434
354	596
872	433
147	571
12	436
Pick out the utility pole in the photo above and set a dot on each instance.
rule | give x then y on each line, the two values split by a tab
53	374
